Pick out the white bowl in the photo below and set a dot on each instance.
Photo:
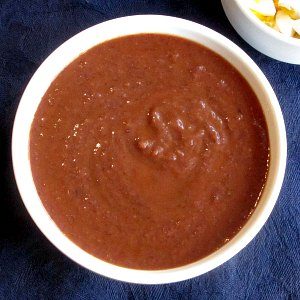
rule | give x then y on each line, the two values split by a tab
260	36
88	38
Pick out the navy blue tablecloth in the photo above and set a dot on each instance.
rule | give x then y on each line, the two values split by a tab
31	268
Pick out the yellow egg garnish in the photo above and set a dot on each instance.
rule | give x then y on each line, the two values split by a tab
297	27
281	15
284	23
262	7
291	7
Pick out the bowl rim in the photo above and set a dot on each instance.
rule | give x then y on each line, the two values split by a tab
40	216
265	28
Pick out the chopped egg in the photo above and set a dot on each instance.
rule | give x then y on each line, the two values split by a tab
284	23
288	4
281	15
293	7
296	26
263	7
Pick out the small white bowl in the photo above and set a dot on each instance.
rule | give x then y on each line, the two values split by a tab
260	36
81	42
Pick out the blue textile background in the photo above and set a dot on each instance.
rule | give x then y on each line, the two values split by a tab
31	268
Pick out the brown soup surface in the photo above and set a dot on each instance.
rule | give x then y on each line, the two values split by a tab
149	151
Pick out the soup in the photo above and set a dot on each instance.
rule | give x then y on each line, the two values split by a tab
149	151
